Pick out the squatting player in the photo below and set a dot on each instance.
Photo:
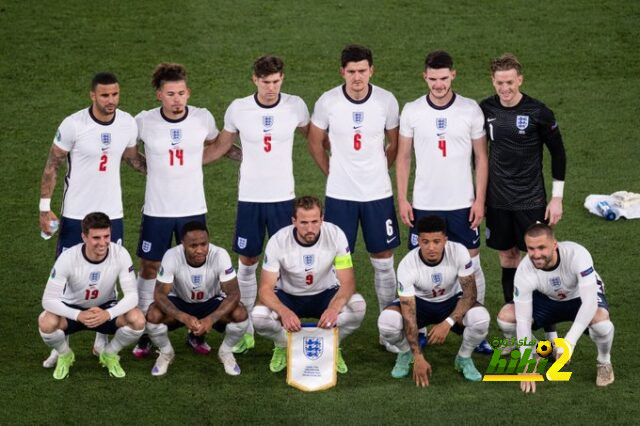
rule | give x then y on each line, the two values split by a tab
436	285
557	282
446	131
357	116
518	126
307	273
196	287
81	295
174	136
93	141
266	123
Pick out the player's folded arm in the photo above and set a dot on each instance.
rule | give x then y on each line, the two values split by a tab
588	288
129	299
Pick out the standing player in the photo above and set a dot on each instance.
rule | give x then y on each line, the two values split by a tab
518	126
436	285
555	283
266	122
307	273
197	288
174	136
81	295
356	116
93	140
447	131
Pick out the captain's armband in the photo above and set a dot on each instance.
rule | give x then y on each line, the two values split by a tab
343	262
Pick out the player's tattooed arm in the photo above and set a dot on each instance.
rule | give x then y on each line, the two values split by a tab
56	157
232	291
468	299
408	310
161	298
135	159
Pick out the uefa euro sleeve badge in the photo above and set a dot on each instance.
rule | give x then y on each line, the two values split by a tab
311	358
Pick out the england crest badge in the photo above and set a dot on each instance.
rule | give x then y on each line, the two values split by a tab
196	280
436	278
176	136
105	138
358	117
146	246
242	242
312	347
94	277
441	123
522	122
267	122
308	260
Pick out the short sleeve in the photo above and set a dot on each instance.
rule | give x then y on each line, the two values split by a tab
167	269
139	119
65	135
464	264
477	122
302	113
406	277
229	124
133	138
343	253
226	270
320	117
406	128
271	261
393	113
212	130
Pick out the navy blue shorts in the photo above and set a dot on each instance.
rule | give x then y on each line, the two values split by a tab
308	306
156	234
198	310
505	228
70	233
435	312
377	218
108	327
252	219
457	227
547	312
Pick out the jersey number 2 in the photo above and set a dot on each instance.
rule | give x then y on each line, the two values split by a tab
103	163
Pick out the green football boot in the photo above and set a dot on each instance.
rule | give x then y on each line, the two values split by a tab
403	365
247	342
341	366
63	365
278	360
112	363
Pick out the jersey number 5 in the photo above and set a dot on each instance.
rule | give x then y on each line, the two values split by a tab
267	143
176	156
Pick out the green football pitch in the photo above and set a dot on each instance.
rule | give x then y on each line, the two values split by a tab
581	57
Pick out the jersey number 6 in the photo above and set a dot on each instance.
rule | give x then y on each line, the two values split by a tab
357	141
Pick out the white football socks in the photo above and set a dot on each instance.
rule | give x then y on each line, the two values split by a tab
248	284
384	277
351	316
232	335
479	276
268	325
476	326
145	293
56	340
602	335
124	336
391	329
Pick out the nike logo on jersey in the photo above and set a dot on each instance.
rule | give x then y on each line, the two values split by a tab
441	134
174	143
356	127
390	239
308	269
489	120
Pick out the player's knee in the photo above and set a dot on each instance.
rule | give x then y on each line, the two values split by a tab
135	319
248	261
507	313
478	318
239	314
357	304
390	322
601	315
154	314
48	322
149	269
601	328
382	262
261	316
509	258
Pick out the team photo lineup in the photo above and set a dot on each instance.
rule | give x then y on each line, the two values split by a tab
475	163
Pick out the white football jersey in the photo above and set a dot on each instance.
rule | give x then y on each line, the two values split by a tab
442	141
75	280
174	161
434	283
196	285
575	266
358	165
95	150
266	135
305	270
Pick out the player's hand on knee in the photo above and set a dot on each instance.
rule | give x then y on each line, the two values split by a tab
290	321
421	371
406	212
438	333
328	319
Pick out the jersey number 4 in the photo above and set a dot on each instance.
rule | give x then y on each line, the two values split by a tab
176	156
442	146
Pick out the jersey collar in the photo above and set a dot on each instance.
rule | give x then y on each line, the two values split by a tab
184	117
553	268
102	123
84	254
434	106
295	238
261	105
430	264
353	101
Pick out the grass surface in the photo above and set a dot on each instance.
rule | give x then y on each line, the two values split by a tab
580	57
